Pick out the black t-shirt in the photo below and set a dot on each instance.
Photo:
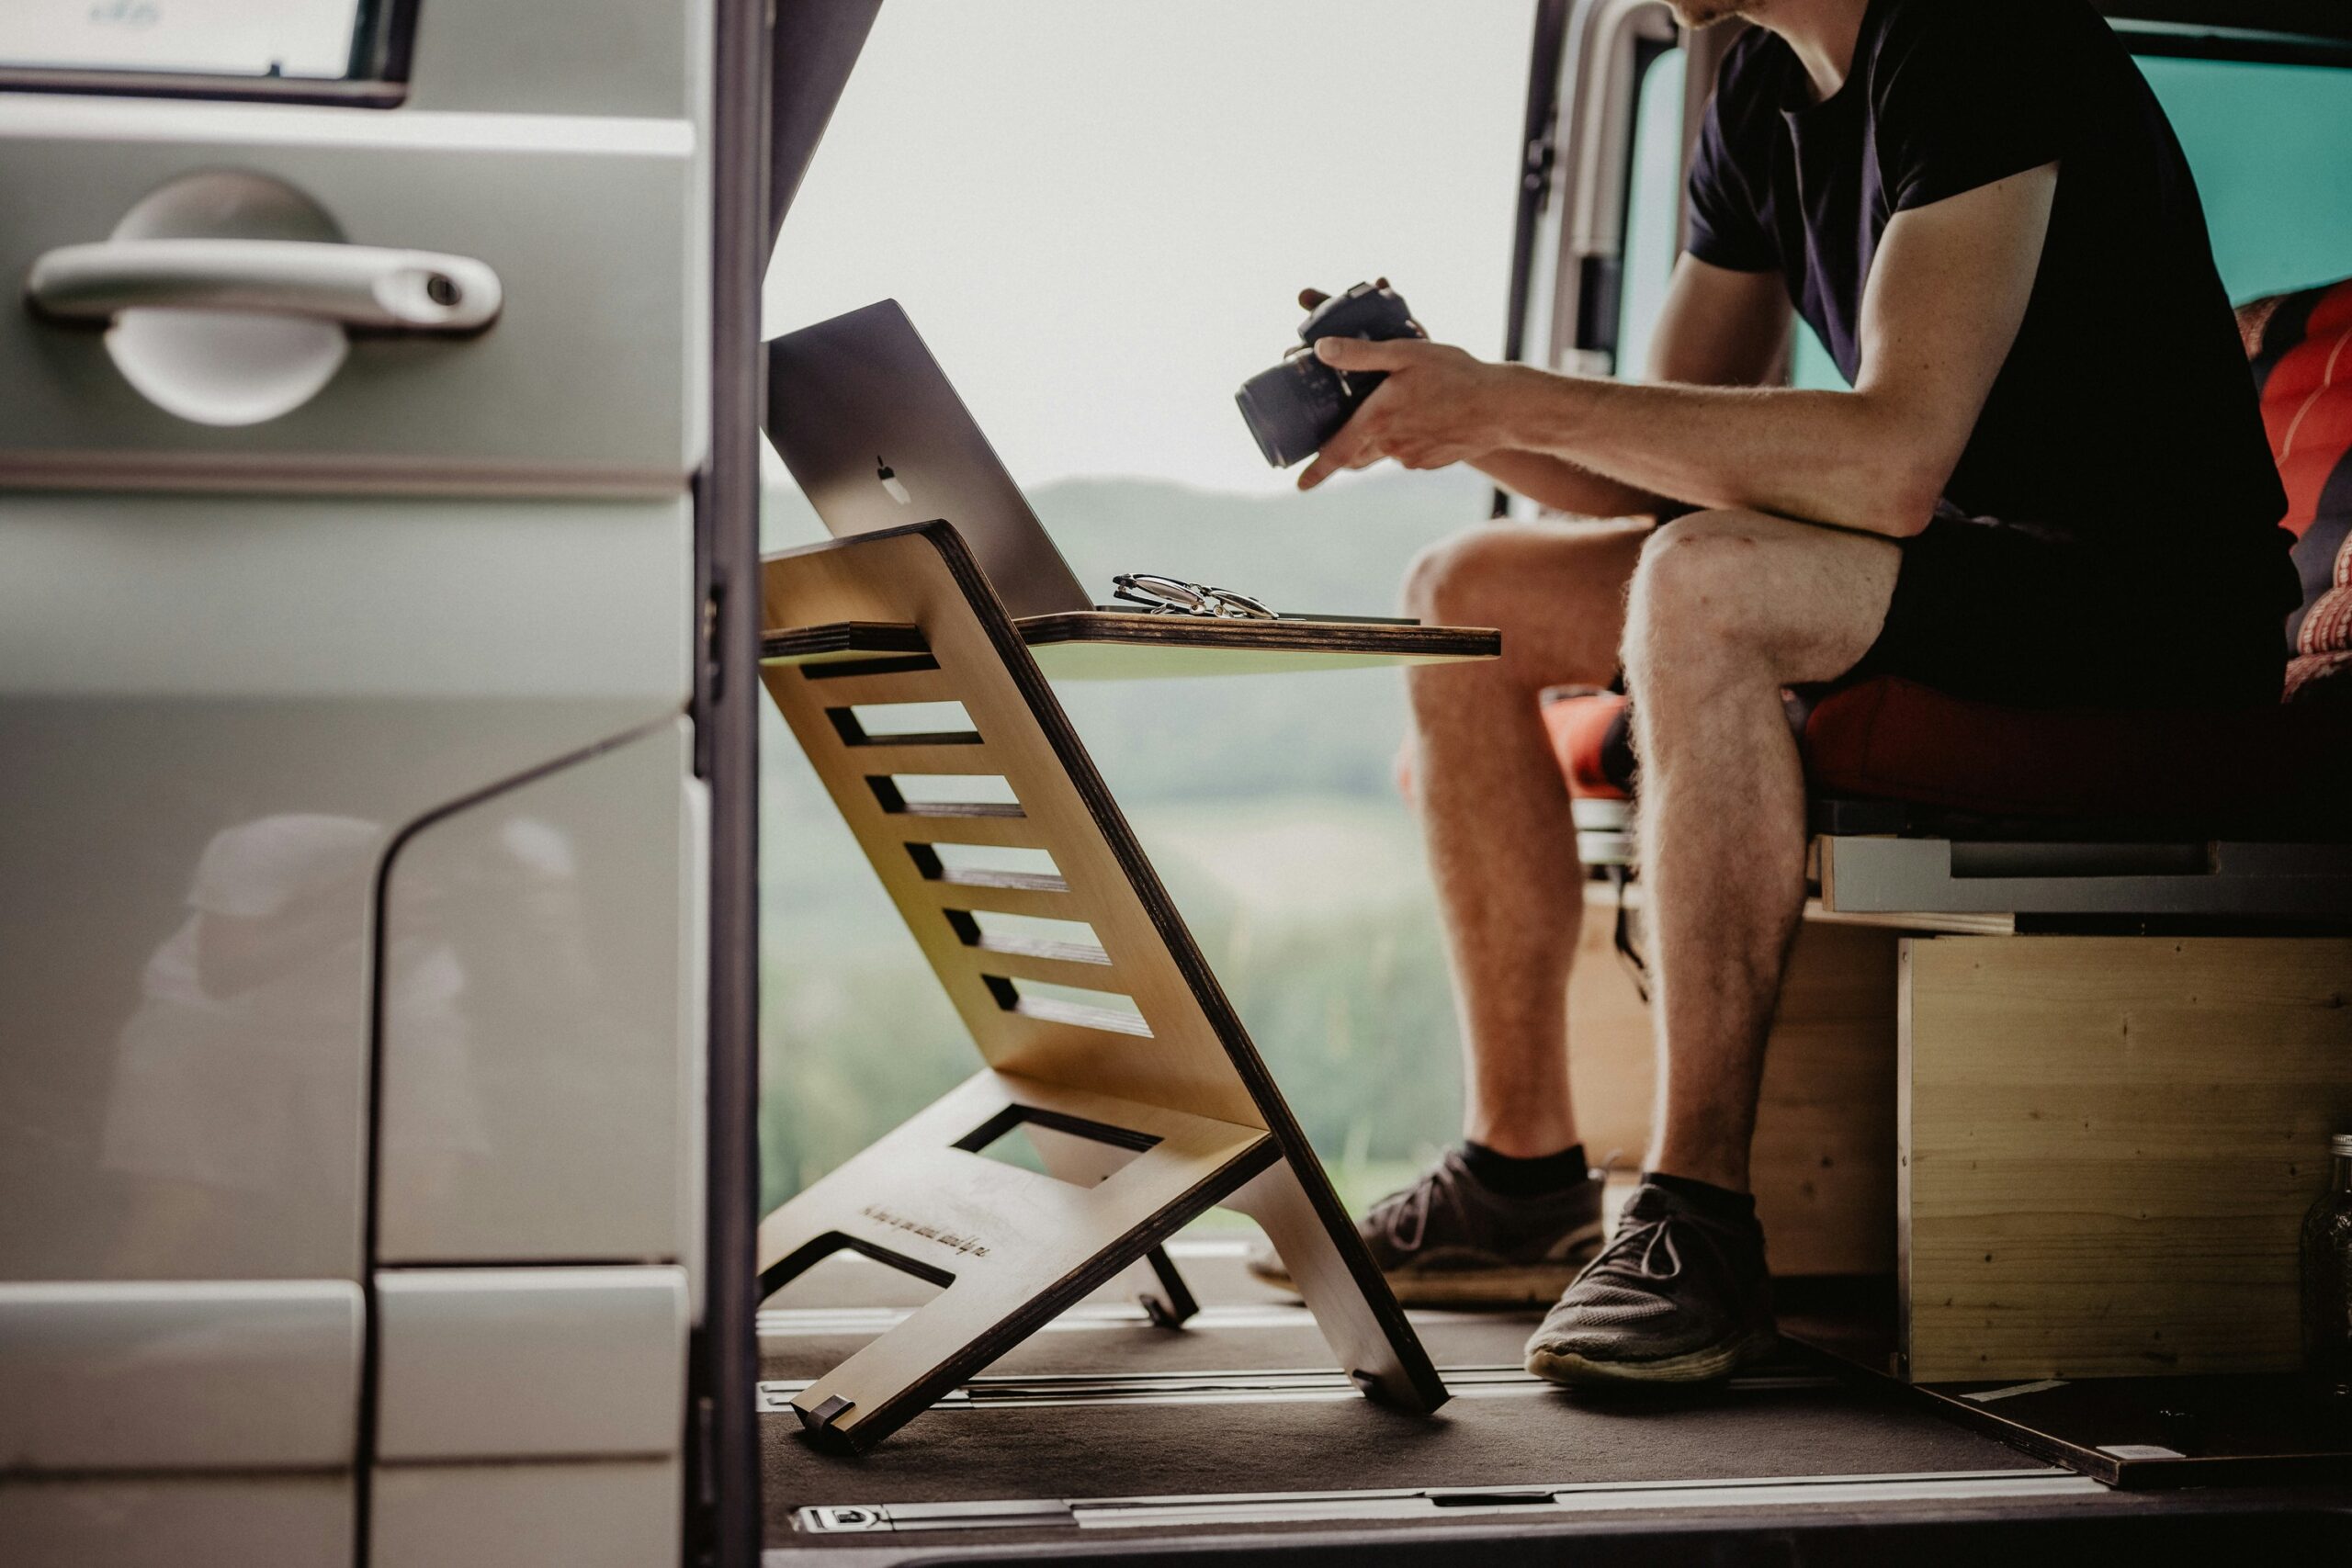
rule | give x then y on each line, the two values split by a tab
2125	415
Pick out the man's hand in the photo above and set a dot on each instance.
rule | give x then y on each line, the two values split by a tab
1439	405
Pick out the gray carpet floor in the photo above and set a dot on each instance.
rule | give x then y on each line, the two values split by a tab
1818	1427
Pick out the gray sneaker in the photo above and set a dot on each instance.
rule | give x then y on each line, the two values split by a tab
1676	1297
1450	1240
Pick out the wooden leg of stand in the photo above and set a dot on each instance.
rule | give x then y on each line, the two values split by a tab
1351	1301
980	1316
1154	1284
1171	1305
1012	1249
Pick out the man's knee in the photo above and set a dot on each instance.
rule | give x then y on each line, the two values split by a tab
1476	577
1694	593
1447	582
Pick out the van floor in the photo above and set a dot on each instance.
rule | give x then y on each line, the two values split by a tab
1100	1418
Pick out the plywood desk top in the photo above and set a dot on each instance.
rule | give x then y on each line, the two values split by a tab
1105	645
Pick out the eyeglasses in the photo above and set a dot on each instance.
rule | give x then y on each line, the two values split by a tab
1173	596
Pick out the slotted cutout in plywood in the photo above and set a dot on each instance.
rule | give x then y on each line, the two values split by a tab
1065	1148
904	724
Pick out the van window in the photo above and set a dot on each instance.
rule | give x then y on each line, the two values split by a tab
2271	146
317	40
2273	158
1653	210
1654	227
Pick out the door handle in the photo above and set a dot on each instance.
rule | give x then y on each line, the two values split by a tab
366	288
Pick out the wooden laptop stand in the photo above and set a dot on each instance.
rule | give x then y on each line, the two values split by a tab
1145	1118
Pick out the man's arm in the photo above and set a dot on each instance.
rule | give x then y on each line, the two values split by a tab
1716	328
1946	294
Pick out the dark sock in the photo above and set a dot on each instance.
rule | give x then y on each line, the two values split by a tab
1713	1203
1516	1177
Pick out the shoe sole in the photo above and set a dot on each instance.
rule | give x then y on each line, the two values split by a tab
1492	1289
1573	1370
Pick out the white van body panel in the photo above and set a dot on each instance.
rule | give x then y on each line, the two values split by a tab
537	1076
348	728
207	758
244	1375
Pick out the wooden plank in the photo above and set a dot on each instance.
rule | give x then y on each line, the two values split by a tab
1923	921
920	827
838	640
1108	645
1055	962
883	757
876	683
1823	1163
1377	638
1005	893
2109	1144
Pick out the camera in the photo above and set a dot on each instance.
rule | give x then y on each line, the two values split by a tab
1301	403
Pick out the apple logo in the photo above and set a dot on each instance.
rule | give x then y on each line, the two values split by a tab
890	485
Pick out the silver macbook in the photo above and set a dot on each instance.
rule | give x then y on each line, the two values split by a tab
866	420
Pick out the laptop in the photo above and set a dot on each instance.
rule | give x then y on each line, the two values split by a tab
876	436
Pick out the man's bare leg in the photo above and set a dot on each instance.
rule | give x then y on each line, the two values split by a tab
1728	607
1494	811
1512	1217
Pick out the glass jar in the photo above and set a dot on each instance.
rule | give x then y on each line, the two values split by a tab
2327	1277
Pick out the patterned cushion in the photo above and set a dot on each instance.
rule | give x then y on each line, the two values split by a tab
2300	346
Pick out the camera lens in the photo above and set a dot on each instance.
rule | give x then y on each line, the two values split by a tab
1293	409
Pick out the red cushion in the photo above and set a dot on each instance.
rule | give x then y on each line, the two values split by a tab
2301	346
1579	726
1898	740
1894	739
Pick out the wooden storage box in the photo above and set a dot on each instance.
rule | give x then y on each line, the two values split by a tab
2107	1145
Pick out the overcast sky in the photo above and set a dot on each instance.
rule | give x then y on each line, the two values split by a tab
1097	211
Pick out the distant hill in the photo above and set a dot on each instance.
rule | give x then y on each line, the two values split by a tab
1339	550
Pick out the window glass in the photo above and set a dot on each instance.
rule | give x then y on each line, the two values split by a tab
1810	365
1099	218
2271	146
303	39
1653	210
1654	229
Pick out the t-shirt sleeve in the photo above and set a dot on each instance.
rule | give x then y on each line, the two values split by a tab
1967	92
1727	226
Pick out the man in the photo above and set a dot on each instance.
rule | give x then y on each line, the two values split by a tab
2049	485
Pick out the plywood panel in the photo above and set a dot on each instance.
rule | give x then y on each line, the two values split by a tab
1156	1050
1098	645
2109	1144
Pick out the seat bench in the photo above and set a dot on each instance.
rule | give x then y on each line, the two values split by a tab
2073	1092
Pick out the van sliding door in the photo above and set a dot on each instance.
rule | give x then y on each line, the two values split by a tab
356	721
